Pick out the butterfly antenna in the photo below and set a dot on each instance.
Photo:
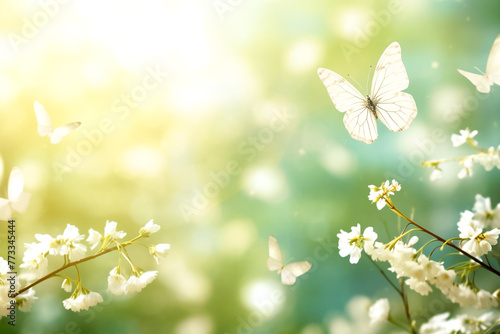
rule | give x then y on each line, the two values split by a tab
355	81
479	70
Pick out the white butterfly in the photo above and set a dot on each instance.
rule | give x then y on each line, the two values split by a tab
386	101
290	272
45	125
483	82
17	199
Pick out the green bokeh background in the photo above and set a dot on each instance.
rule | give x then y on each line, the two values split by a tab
232	66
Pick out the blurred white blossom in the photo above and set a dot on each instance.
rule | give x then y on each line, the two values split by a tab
485	214
159	251
94	238
149	229
436	174
116	282
463	137
82	300
467	170
379	312
110	231
137	283
490	159
464	324
24	300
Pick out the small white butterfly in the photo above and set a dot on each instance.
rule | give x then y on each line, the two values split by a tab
483	82
386	101
17	199
290	272
45	125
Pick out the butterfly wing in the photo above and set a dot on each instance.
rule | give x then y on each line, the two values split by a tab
293	270
18	199
397	110
62	131
394	108
5	210
275	261
480	81
361	124
21	204
43	119
343	95
493	66
358	120
16	184
390	74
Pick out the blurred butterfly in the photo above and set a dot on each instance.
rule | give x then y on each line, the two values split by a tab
45	125
17	199
484	81
290	272
386	101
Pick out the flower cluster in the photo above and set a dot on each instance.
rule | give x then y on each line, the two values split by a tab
488	158
380	195
70	247
421	272
479	232
471	226
460	324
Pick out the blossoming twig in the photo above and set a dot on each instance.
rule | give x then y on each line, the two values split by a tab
489	158
382	195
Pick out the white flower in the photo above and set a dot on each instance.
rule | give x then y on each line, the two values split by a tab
159	251
70	239
485	214
67	285
82	300
419	286
116	282
65	244
477	243
110	231
148	277
353	242
467	220
485	300
464	136
136	284
379	312
462	294
489	159
444	279
357	322
94	238
466	324
467	170
46	241
25	299
34	258
149	229
438	324
380	194
436	174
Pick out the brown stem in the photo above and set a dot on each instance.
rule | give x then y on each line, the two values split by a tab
482	264
66	266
